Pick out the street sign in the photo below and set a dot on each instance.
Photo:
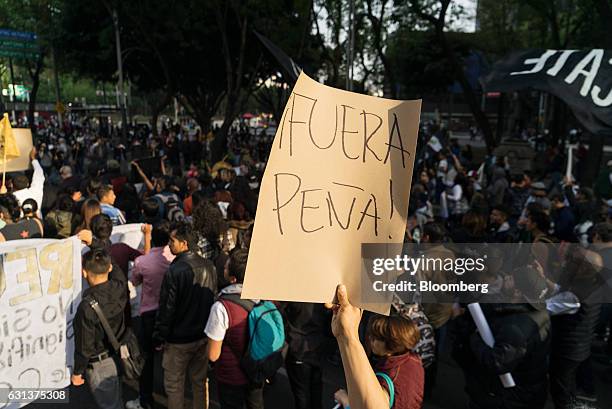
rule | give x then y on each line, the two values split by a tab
18	35
18	44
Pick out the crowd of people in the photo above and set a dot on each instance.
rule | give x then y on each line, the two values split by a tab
197	219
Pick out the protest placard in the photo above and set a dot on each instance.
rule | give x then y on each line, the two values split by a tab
23	137
338	176
40	289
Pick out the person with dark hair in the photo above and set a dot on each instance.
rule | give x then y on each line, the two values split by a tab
563	219
305	329
59	221
94	356
121	253
521	330
164	195
29	209
106	196
150	211
192	186
473	228
572	334
227	332
23	189
438	314
209	227
602	243
186	296
499	230
16	229
149	270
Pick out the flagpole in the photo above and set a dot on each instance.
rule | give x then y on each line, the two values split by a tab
3	189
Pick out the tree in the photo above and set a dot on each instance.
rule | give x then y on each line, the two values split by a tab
434	13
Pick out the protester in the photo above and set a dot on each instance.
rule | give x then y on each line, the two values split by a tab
573	333
24	189
366	390
186	296
106	196
305	335
94	357
14	227
149	270
227	332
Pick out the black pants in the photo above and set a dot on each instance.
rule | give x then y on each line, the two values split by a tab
237	396
306	383
563	381
147	323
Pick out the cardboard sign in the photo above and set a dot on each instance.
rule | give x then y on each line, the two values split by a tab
23	137
338	176
40	289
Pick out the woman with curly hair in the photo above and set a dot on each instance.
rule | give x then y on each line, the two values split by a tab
209	227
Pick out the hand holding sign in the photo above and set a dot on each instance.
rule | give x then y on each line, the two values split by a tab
338	176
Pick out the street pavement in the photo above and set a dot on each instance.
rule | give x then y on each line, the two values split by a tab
448	393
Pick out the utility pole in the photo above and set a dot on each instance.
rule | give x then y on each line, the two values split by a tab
350	46
122	100
58	96
13	95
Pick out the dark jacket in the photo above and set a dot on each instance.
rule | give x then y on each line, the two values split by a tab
90	339
522	339
573	333
187	294
305	326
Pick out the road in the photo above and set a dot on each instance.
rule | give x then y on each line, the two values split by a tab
448	393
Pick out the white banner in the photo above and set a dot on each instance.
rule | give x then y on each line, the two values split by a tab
40	290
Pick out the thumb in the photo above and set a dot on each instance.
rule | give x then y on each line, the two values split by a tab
342	295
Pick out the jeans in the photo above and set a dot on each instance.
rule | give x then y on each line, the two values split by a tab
147	323
179	359
563	381
306	383
236	396
105	384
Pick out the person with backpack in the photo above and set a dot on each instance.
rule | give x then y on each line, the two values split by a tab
170	206
94	356
187	294
228	328
306	324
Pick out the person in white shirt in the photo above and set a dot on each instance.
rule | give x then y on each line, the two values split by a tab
23	189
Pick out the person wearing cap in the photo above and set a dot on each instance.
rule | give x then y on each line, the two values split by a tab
24	189
521	328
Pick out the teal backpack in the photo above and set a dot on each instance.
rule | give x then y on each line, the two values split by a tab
267	348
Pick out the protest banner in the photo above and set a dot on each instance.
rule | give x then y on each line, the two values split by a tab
338	176
40	289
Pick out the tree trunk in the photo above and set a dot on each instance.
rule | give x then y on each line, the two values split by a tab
35	76
468	92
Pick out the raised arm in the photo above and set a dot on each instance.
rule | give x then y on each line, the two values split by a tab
364	390
144	177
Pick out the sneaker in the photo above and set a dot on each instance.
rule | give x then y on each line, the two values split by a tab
133	404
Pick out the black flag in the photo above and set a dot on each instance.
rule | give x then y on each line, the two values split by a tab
290	69
582	79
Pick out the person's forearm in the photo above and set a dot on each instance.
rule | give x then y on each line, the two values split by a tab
363	388
147	243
